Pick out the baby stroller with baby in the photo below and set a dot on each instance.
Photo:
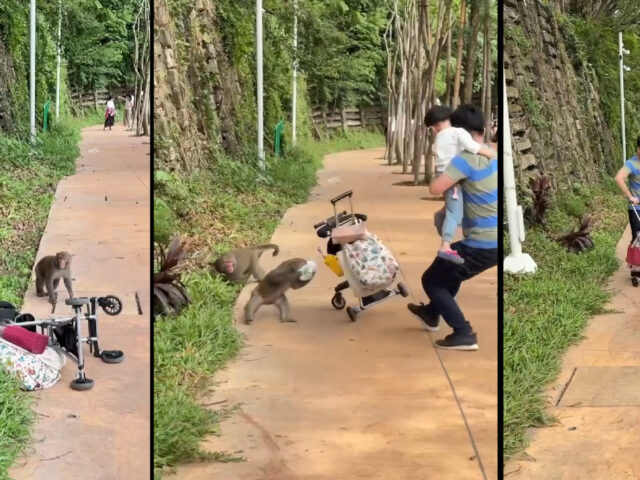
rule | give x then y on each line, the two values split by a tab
633	253
367	265
65	334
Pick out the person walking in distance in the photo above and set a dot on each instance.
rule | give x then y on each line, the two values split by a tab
631	172
109	114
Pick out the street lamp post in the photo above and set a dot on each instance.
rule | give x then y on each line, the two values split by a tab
295	72
516	261
259	82
59	55
32	71
621	53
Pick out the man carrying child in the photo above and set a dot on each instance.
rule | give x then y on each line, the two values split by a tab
476	178
450	141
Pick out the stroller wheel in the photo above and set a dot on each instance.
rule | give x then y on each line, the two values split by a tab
82	384
338	302
111	305
112	356
352	314
402	288
634	281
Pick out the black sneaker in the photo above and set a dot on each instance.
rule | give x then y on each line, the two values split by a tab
432	324
456	341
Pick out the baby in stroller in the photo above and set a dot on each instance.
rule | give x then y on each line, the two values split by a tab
352	254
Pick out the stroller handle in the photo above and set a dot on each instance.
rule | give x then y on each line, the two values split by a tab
348	193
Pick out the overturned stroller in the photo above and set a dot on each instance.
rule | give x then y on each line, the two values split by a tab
367	265
65	334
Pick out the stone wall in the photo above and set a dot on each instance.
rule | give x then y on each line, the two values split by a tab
7	77
196	90
556	120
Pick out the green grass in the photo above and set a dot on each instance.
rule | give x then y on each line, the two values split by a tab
28	178
546	312
227	206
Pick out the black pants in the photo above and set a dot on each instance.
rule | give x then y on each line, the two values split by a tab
441	282
634	222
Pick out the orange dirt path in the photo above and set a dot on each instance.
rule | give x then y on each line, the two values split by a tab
327	399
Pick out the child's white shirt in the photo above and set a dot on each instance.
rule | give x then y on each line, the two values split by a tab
450	142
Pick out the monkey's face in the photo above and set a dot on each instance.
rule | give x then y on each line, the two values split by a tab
228	265
63	260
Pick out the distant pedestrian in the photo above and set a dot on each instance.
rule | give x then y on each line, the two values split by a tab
631	172
128	115
109	114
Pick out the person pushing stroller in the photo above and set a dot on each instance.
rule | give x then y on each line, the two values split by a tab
451	141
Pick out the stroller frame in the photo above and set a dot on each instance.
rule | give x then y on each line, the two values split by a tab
52	327
635	243
323	230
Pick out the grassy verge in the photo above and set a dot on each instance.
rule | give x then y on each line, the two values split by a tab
28	178
546	312
225	207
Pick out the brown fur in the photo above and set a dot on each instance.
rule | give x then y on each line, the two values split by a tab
272	288
240	264
49	270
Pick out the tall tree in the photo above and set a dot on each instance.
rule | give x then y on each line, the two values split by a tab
456	83
471	56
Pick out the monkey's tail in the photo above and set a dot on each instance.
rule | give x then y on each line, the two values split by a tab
276	248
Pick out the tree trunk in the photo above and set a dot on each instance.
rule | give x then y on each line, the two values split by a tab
472	50
447	94
456	84
487	63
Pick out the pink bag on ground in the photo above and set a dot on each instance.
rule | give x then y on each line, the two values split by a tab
23	338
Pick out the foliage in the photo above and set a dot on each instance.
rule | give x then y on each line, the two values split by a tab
580	240
96	43
190	347
169	293
545	313
603	61
16	418
541	190
342	51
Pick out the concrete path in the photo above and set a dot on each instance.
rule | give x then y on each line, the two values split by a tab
327	399
596	399
101	214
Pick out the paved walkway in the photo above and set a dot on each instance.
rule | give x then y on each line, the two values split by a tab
101	214
596	399
327	399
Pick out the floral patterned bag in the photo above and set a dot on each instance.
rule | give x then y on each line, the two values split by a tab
34	373
371	262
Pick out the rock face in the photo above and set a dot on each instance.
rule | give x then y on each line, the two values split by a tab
196	89
7	77
555	112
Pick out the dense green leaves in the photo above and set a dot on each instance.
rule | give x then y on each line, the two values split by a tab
97	46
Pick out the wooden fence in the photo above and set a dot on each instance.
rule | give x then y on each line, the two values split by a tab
96	98
349	117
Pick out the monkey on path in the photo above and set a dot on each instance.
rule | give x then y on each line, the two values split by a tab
294	273
240	264
49	271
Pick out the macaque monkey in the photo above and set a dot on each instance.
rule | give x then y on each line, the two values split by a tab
240	264
294	273
49	271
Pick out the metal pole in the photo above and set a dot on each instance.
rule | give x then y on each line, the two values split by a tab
259	83
621	56
295	72
516	262
32	72
59	55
